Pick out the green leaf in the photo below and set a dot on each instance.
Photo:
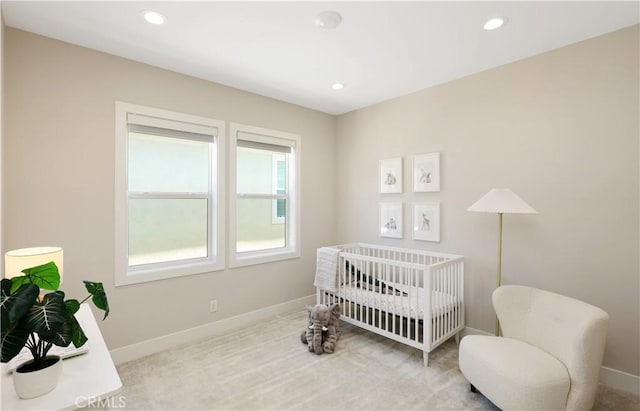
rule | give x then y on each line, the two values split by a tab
70	331
45	276
14	306
99	297
72	306
5	286
62	336
5	292
78	337
11	343
16	282
46	317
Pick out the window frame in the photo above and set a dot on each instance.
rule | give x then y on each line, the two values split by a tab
292	213
215	259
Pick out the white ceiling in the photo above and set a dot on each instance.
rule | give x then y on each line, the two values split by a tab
380	51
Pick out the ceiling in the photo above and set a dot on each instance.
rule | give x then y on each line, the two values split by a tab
380	51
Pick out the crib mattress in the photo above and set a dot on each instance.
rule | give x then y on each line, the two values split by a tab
412	305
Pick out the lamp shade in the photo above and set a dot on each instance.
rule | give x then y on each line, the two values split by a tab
502	200
17	260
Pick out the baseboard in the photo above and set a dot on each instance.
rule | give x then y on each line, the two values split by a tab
609	377
154	345
473	331
620	380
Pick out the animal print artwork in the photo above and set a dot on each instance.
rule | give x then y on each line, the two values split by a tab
426	173
425	176
390	220
390	175
426	223
391	224
390	180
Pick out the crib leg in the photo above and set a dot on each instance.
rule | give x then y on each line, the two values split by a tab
458	338
425	358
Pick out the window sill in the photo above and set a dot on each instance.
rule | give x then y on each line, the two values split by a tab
155	273
245	259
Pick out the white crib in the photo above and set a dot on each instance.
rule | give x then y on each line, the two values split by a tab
391	291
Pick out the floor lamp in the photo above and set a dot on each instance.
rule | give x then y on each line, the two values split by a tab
501	201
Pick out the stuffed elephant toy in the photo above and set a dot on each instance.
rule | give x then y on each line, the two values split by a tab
333	329
323	330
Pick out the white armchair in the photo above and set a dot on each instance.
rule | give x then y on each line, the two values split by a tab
549	357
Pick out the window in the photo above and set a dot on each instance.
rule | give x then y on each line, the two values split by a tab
167	194
264	204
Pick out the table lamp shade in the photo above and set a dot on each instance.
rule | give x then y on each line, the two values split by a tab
502	200
17	260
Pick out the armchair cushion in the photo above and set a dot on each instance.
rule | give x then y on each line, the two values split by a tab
514	374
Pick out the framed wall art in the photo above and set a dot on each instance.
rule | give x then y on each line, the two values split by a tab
391	176
426	221
426	173
390	220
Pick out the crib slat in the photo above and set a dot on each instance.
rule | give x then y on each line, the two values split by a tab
440	316
458	299
418	307
437	298
449	302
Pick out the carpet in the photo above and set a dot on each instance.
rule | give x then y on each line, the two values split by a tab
266	367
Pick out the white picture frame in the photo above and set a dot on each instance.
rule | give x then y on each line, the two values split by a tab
426	173
390	176
426	222
390	220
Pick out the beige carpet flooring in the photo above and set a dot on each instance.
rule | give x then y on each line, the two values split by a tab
266	367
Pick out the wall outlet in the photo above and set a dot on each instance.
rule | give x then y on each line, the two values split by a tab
213	306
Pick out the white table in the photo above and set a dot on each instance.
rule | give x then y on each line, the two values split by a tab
86	379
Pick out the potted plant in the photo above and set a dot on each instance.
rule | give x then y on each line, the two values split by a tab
38	322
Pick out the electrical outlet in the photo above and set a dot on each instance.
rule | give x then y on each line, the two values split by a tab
213	306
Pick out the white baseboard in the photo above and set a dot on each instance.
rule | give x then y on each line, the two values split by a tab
154	345
620	380
473	331
609	377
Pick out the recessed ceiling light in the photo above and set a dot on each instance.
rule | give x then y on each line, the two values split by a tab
494	23
337	86
328	19
154	17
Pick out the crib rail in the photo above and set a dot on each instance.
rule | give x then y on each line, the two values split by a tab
398	254
411	296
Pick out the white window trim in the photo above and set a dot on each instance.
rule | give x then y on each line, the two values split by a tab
292	249
159	271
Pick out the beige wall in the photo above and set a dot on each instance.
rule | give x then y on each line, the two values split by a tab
59	153
561	130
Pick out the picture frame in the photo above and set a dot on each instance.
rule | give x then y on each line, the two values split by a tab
390	175
426	222
390	220
426	173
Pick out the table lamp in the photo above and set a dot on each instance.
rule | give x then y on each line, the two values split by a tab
501	201
17	260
